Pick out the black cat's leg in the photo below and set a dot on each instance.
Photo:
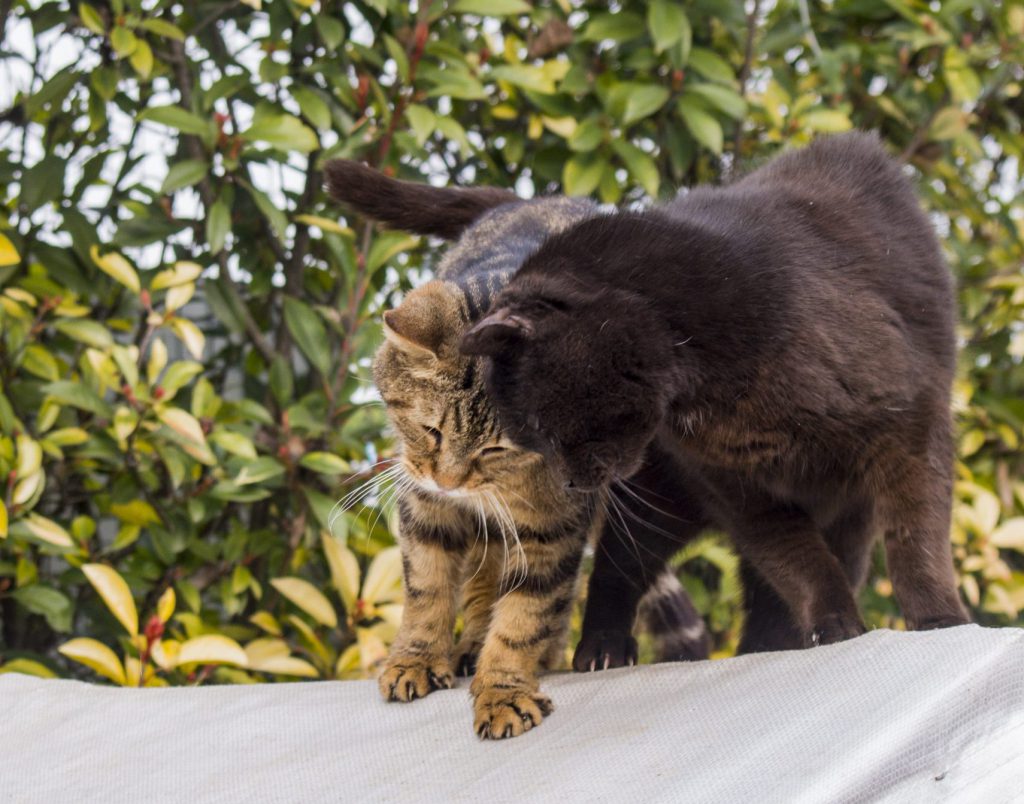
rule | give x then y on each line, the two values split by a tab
768	624
786	549
650	517
916	509
668	615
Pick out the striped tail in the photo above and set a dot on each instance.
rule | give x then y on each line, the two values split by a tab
678	630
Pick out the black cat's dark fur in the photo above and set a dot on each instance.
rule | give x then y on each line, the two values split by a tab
787	340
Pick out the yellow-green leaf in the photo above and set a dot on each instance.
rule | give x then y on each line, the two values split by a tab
96	656
1009	535
383	582
3	520
344	568
30	456
48	531
326	224
190	335
115	593
190	431
142	58
179	274
212	649
136	512
90	18
273	656
8	253
117	267
165	605
308	598
27	667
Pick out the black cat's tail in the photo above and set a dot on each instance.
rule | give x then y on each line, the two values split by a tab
678	630
410	206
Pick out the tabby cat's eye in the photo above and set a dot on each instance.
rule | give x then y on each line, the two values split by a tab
494	450
434	433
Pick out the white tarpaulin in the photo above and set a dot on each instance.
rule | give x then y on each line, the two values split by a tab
890	716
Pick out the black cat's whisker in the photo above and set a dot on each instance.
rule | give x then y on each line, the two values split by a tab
647	523
626	535
633	488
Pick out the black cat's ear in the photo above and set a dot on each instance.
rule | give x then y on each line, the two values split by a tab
410	206
495	333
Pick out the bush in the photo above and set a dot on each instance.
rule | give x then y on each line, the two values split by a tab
186	328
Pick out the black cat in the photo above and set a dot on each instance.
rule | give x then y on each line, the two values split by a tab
787	340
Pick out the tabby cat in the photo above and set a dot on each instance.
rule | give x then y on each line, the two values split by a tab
789	338
478	514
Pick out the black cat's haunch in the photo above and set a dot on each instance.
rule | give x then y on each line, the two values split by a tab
789	340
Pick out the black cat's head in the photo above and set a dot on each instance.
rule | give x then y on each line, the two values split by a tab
581	375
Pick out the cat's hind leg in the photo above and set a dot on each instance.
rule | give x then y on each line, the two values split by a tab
482	572
916	507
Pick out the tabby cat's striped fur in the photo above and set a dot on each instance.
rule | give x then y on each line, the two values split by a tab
483	520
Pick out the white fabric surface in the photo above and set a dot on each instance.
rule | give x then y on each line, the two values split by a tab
898	717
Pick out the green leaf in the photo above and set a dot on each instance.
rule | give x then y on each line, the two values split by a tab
90	18
632	101
668	24
178	118
491	8
457	84
582	173
51	603
726	100
258	471
422	121
309	333
184	174
218	225
77	395
964	84
82	330
123	41
587	136
620	27
163	28
948	124
275	217
283	131
313	107
388	245
640	166
711	66
704	128
325	463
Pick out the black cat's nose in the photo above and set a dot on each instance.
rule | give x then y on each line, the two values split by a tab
570	485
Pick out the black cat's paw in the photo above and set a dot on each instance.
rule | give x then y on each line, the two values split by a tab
465	661
603	650
836	628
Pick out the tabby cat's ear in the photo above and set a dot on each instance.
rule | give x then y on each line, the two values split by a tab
496	332
411	206
426	322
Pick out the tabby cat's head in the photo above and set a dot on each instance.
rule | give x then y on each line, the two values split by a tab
453	445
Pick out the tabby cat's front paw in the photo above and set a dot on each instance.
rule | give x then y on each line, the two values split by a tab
406	678
499	712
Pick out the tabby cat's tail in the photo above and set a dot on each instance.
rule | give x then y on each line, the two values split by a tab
676	627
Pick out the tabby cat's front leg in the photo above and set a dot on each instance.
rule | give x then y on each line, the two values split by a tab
507	700
431	539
